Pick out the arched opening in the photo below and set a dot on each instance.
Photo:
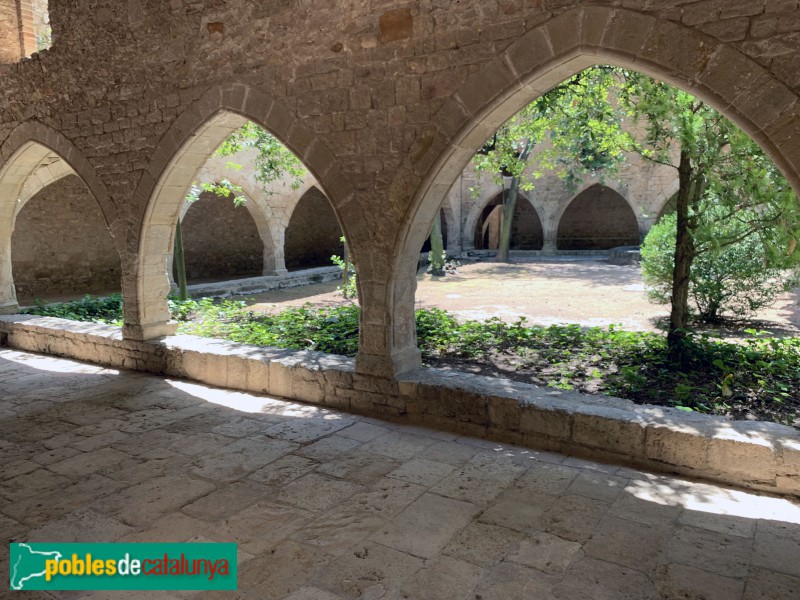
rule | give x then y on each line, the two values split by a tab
426	247
193	139
220	240
61	246
598	218
313	234
34	161
526	229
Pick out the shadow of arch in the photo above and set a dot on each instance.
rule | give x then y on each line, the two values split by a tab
313	233
548	54
28	152
191	140
597	218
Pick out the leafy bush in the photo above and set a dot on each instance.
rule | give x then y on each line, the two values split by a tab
734	279
106	310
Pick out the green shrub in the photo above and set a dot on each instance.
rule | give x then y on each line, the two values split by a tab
106	310
734	279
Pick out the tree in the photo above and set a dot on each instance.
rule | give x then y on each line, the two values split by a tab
724	178
272	162
575	130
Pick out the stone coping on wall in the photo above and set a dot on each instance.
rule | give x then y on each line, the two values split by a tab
264	283
754	455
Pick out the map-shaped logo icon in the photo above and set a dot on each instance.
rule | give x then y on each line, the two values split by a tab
27	564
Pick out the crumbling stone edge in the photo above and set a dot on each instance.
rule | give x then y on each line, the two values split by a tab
754	455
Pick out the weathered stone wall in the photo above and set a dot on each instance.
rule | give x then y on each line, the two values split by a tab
384	102
9	32
220	240
312	236
597	219
61	245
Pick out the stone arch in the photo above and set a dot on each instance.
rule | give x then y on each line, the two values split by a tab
597	218
547	54
191	140
527	232
30	148
312	235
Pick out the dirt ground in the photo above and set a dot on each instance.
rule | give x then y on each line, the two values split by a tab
587	291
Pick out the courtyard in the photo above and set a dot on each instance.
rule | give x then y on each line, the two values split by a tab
326	505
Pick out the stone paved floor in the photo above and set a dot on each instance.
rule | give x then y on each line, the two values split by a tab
326	505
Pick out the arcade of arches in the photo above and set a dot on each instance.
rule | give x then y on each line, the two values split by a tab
384	103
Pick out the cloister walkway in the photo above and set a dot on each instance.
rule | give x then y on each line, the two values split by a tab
325	505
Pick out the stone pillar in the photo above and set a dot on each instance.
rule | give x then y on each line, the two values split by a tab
550	236
387	334
8	295
10	41
145	287
274	261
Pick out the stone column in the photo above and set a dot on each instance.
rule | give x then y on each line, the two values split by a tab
8	295
387	336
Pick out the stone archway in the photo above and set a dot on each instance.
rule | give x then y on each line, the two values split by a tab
597	218
544	56
32	157
527	232
192	139
313	234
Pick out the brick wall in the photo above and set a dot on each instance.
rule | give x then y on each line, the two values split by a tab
220	240
61	245
598	219
313	233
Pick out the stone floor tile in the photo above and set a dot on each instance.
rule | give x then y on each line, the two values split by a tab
340	529
260	527
359	466
479	481
726	524
723	554
16	468
507	580
100	440
519	509
482	544
627	543
312	593
284	470
769	585
141	469
388	497
144	502
31	484
574	517
288	567
202	442
363	432
443	577
239	427
82	525
426	526
682	581
88	462
369	571
328	447
242	457
229	500
398	445
172	527
305	431
628	506
317	493
548	478
422	471
600	580
451	453
777	553
547	553
598	485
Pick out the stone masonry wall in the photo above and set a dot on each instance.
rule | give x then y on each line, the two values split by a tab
312	236
61	245
220	240
597	219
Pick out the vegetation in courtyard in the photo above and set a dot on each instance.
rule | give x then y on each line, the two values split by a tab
733	279
758	378
575	130
349	289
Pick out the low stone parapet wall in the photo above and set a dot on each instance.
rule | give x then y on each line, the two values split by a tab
755	455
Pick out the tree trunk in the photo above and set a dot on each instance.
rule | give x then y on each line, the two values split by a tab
509	206
180	263
684	255
437	247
